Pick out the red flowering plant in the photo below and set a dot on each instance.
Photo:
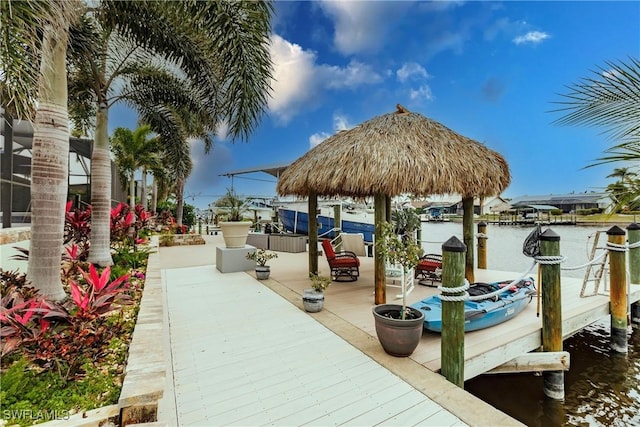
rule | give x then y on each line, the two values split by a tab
77	229
25	316
64	336
121	222
143	222
100	295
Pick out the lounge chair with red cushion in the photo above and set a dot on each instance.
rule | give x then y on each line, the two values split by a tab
344	265
429	268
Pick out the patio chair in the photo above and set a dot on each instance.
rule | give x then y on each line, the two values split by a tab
344	265
429	269
353	242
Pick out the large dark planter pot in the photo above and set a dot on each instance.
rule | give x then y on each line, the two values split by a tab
398	337
262	272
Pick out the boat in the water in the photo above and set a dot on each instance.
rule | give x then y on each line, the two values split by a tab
496	308
295	219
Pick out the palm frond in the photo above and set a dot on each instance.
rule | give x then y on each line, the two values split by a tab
23	24
609	99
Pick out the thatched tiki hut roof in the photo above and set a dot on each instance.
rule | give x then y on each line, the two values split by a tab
399	152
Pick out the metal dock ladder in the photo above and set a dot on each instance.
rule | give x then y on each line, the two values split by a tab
596	270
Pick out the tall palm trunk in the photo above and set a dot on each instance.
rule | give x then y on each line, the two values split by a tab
154	196
100	252
50	168
179	201
143	189
132	192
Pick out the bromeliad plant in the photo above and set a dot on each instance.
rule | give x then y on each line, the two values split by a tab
77	229
261	256
63	336
99	296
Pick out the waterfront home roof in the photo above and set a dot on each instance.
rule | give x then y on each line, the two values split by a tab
543	208
561	199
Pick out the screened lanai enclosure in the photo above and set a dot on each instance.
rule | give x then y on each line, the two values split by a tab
15	166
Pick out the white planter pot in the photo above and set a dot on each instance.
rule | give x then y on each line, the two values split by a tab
262	272
235	233
312	300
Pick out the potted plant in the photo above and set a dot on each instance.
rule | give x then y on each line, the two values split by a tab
234	230
313	299
399	327
261	256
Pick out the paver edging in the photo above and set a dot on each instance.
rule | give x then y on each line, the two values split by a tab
144	380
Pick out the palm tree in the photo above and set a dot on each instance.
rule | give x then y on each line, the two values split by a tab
21	52
216	50
134	150
623	173
610	99
624	191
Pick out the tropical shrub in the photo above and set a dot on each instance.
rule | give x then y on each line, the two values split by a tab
320	283
261	256
121	220
77	229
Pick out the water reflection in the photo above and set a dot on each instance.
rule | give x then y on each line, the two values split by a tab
601	387
504	244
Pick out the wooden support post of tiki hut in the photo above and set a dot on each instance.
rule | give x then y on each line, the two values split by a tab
380	206
617	289
337	219
452	343
633	237
551	312
388	208
482	245
467	236
313	234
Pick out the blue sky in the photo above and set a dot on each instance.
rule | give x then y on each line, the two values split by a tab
490	71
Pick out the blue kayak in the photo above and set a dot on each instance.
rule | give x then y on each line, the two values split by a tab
484	313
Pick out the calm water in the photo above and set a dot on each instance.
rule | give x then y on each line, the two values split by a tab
602	388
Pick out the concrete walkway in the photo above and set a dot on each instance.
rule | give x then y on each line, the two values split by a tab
241	354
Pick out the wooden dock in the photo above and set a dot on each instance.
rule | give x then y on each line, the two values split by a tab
546	220
485	349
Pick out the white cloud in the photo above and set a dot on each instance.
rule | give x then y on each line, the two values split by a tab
532	37
317	138
222	130
340	122
423	92
362	26
293	83
411	70
299	81
355	74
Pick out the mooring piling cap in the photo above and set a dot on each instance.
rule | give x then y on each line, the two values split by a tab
549	235
454	245
616	231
